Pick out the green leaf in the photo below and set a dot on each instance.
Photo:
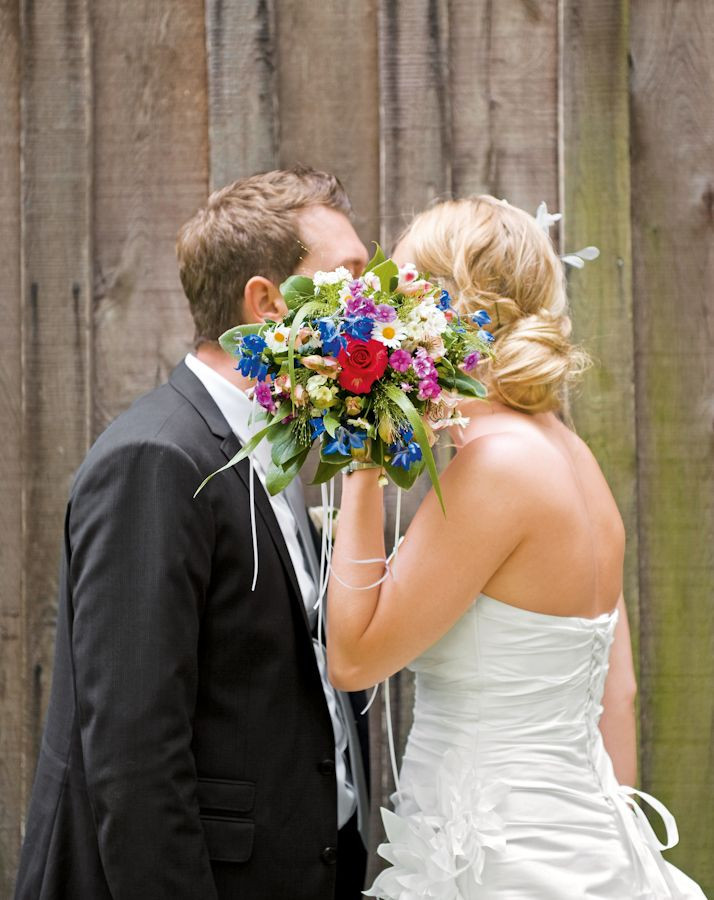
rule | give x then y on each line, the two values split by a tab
275	424
285	446
277	478
296	290
404	478
385	271
405	404
331	424
378	258
468	386
445	367
327	470
228	339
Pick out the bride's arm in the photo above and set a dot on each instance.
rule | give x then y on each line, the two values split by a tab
440	568
617	724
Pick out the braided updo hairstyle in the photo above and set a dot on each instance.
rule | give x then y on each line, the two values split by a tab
493	256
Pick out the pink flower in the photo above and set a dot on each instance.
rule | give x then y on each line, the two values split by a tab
471	360
429	389
264	396
385	313
423	364
400	360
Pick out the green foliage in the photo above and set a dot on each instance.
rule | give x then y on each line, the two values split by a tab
296	290
378	258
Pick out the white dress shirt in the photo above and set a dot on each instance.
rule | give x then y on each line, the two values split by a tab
237	410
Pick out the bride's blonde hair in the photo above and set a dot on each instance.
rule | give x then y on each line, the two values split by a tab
493	256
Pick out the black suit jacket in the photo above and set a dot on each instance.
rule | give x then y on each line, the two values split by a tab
188	751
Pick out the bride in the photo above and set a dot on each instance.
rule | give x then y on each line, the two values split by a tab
509	610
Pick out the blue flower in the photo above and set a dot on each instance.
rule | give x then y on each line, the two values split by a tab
359	327
485	335
252	367
444	301
254	342
318	426
332	341
344	440
404	457
481	317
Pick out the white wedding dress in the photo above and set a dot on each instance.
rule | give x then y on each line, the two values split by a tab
506	790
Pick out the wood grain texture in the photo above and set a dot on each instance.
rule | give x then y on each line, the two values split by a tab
11	656
596	204
151	166
242	104
503	62
328	97
672	48
56	280
331	55
415	154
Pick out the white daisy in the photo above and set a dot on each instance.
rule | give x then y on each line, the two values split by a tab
339	275
277	339
391	334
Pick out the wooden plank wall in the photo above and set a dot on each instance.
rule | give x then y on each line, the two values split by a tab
127	114
12	680
672	78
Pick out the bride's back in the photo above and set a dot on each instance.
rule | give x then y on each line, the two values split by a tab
495	258
570	561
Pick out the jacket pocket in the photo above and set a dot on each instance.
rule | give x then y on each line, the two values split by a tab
228	839
224	808
218	795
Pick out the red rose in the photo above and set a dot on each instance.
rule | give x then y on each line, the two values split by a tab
363	362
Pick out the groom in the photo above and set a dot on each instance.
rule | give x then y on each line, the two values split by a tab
193	747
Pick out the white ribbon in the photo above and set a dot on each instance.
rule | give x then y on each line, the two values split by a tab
643	839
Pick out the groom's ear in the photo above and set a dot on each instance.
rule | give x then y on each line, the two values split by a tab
262	301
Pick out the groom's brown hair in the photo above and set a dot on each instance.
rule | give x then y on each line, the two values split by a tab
248	228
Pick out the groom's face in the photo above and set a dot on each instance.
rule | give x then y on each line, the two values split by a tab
330	241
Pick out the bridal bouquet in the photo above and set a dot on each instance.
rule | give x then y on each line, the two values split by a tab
369	367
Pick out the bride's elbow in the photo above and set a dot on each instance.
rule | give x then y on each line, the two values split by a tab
345	676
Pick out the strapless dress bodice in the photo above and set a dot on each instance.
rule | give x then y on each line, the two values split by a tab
506	791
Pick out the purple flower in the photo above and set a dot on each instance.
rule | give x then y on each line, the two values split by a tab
423	364
264	396
385	313
360	306
471	360
429	389
406	387
400	360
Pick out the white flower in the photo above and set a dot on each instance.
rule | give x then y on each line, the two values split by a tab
314	382
439	852
278	339
372	281
318	517
544	219
391	334
337	276
423	324
409	282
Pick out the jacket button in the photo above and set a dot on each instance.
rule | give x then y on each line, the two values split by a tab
329	855
326	767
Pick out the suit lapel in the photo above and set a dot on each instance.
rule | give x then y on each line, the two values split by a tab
189	386
230	446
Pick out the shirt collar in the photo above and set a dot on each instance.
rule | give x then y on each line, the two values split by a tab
236	407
